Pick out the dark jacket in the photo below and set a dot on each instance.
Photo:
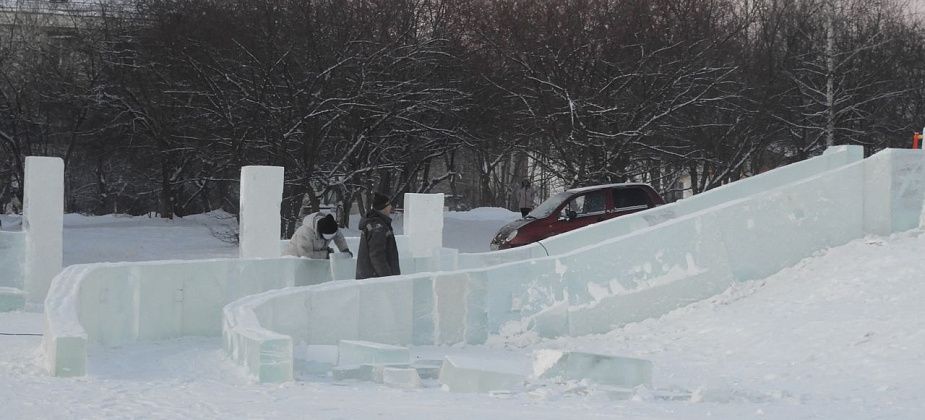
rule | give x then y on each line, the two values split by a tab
377	255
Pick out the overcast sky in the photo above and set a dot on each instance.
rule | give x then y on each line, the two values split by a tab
919	5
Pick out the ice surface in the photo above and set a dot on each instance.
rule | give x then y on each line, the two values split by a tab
351	352
261	194
386	310
906	186
310	271
11	299
461	374
43	220
423	223
521	289
450	308
768	232
488	259
460	308
333	312
422	323
12	258
343	267
598	368
833	158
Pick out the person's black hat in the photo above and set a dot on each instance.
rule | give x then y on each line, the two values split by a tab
327	225
380	201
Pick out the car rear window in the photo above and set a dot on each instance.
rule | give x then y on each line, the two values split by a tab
629	197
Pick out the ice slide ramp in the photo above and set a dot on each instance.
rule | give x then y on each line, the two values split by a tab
644	273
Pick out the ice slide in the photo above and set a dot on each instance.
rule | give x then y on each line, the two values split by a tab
648	264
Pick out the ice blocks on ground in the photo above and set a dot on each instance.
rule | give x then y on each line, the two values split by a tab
423	223
472	375
261	194
619	371
352	352
11	299
43	224
401	377
428	369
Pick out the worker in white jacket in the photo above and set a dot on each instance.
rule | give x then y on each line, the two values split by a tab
312	239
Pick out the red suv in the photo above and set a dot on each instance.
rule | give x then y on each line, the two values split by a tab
575	208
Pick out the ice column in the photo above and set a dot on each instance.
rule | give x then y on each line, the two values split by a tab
43	220
261	194
424	223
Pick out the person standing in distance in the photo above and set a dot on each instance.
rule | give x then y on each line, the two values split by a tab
526	196
377	255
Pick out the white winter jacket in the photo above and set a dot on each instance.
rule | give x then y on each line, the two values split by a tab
307	242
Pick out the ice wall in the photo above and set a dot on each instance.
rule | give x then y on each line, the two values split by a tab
43	223
604	284
834	157
117	303
261	194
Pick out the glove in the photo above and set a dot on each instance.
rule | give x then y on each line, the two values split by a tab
348	253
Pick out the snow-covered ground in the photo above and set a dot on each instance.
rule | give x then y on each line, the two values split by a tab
839	336
89	239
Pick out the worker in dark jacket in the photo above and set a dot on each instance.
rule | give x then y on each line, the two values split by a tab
377	255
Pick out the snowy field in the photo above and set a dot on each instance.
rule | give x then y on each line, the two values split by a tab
839	336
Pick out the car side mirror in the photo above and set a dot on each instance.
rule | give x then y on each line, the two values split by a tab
571	214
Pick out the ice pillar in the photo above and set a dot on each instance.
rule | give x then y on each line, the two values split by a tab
43	221
424	223
261	194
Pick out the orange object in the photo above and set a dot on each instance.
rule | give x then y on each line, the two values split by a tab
916	140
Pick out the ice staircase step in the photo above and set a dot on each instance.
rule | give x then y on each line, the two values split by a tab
619	371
